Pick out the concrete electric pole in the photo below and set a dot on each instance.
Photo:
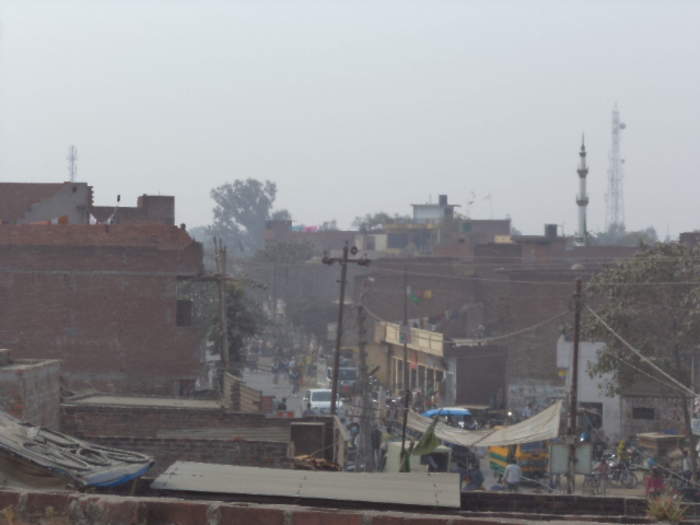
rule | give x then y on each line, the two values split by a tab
573	395
343	261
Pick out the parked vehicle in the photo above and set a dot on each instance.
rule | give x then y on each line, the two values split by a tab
620	473
532	458
319	400
347	377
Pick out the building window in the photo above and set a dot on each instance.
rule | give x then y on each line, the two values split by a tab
183	314
591	415
642	413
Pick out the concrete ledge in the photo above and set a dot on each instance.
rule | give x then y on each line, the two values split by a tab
61	508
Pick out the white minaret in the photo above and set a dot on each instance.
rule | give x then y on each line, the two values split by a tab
582	197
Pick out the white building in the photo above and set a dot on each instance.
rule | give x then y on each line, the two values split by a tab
433	213
591	390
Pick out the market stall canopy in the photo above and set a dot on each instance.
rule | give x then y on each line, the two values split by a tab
33	457
540	427
447	411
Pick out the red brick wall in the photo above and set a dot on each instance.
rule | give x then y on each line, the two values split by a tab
91	421
167	451
30	390
108	312
59	508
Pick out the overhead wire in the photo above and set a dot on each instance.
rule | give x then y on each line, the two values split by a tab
641	356
643	372
506	280
487	340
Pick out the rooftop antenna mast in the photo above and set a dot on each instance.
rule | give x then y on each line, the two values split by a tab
614	199
72	162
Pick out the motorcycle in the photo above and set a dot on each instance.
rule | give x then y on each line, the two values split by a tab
620	473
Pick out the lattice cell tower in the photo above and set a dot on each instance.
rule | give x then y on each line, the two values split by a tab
72	159
614	199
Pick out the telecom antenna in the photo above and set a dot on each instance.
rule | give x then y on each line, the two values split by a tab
614	199
72	162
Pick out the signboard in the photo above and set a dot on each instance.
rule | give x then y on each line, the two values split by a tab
331	331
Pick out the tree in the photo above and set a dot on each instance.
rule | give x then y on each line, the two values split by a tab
281	215
376	221
242	207
648	300
245	320
618	236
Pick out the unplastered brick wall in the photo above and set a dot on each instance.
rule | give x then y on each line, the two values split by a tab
104	301
89	421
30	390
167	451
239	397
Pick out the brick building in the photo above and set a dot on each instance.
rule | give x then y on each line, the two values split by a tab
24	203
171	429
30	389
281	231
504	288
104	299
158	209
72	203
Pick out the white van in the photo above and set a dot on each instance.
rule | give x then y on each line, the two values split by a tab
319	400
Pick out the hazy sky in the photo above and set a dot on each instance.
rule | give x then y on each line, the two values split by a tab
356	106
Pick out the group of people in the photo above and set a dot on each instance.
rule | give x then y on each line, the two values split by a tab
293	369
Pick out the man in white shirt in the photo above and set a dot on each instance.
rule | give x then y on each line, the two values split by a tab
511	475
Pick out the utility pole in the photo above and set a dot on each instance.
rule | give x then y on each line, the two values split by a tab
686	403
573	395
343	261
405	335
365	451
220	259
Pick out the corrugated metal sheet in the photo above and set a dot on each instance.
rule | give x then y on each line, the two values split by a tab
25	448
430	490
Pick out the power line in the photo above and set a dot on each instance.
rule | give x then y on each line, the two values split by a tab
643	372
487	340
521	281
639	354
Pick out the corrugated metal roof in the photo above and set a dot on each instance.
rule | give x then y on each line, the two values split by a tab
422	489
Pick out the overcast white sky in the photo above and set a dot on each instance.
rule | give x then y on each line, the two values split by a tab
357	106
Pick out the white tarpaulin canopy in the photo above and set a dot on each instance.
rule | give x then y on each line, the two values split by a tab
540	427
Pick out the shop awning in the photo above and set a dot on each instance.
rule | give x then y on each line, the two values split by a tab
540	427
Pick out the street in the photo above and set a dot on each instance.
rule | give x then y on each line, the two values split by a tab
263	380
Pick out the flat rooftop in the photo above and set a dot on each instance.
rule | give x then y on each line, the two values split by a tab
134	401
273	434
